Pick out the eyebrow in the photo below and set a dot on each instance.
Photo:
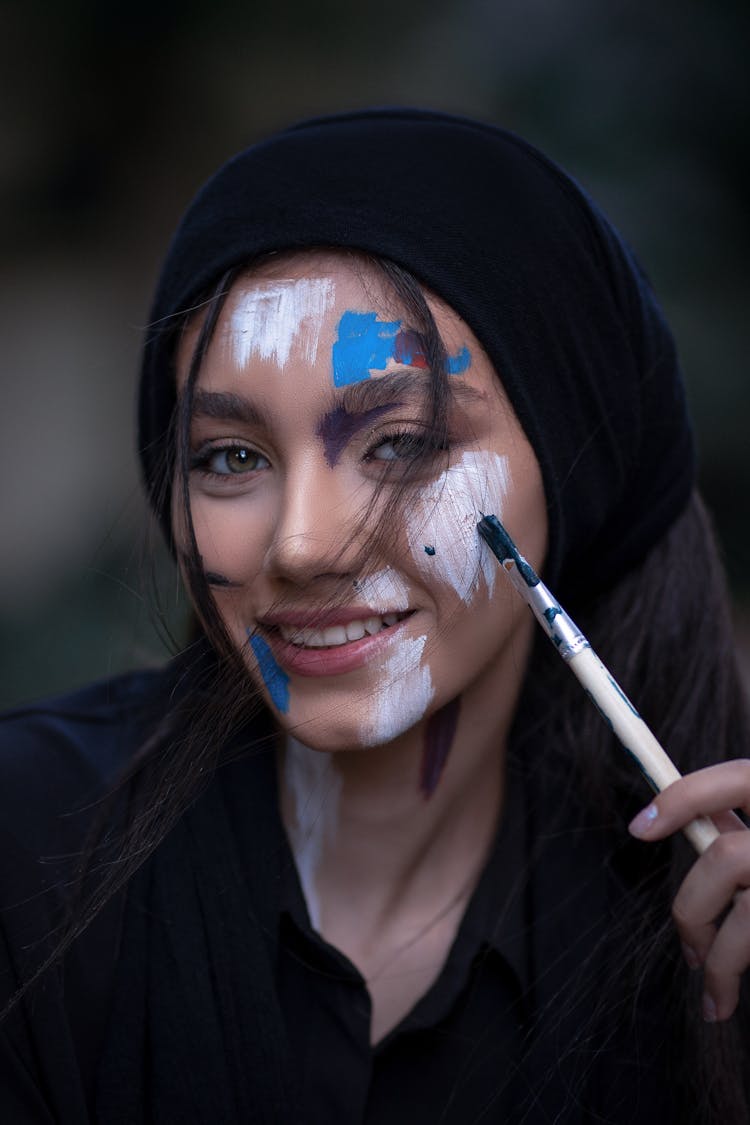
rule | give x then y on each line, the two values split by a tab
358	402
229	407
389	389
361	403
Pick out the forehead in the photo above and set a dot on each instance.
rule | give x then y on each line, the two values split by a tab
318	306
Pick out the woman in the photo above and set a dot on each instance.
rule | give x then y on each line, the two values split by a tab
360	852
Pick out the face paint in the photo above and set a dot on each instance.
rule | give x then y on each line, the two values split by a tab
270	318
409	349
446	514
314	785
438	739
384	591
275	678
338	427
358	692
403	696
366	344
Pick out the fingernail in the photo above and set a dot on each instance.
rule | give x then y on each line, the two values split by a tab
641	823
709	1009
691	957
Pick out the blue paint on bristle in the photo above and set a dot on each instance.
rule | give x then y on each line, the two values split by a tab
503	547
275	679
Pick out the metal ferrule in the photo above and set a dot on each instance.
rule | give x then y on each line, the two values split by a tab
562	631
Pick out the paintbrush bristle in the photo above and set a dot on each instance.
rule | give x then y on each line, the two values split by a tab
503	547
497	538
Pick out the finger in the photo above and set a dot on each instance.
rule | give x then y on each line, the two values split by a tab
727	960
714	789
708	889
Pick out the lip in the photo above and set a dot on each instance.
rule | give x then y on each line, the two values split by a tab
334	661
315	619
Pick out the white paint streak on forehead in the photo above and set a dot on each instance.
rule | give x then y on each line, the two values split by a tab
445	517
271	316
314	785
403	696
383	591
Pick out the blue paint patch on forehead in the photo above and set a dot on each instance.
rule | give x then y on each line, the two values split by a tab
275	679
366	344
459	362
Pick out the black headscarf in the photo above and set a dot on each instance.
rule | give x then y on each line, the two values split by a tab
521	253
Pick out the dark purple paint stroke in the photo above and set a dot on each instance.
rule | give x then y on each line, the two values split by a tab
338	427
409	348
438	739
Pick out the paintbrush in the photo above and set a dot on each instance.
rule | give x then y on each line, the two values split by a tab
599	683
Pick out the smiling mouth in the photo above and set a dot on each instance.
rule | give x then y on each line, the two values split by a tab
336	635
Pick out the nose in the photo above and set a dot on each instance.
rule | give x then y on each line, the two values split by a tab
317	534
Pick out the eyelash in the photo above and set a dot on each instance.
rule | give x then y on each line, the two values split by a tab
423	443
420	445
200	460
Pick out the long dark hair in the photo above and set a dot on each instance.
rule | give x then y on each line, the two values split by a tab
666	633
664	630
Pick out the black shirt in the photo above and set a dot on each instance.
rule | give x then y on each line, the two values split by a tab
519	1026
460	1040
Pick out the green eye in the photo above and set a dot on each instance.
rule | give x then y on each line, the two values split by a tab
399	447
235	460
407	446
232	460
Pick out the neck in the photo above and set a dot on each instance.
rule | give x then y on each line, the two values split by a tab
399	831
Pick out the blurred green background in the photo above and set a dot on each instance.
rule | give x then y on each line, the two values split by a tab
114	113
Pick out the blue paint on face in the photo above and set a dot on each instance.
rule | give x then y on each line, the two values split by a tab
366	344
275	679
458	363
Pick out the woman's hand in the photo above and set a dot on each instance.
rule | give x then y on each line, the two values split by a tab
718	881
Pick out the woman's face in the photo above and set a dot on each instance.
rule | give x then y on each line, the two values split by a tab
308	407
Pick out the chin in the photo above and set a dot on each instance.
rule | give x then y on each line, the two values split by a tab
357	736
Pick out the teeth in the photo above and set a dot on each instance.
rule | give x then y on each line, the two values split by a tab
335	635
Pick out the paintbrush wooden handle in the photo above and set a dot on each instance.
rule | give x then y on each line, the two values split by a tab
617	710
601	686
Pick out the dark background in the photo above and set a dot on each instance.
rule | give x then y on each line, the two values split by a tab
112	114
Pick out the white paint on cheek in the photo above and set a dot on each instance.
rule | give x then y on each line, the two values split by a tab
383	591
445	517
269	318
314	785
403	695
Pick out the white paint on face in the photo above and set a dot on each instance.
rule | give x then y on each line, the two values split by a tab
445	517
270	317
403	695
314	785
383	591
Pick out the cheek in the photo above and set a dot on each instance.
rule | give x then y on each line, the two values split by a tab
230	539
442	526
403	695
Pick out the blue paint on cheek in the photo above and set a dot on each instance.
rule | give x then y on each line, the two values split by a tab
364	344
274	678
